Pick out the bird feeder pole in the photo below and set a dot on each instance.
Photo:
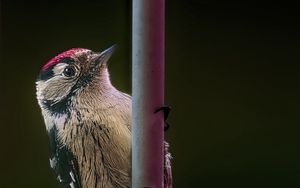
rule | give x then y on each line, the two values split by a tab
148	93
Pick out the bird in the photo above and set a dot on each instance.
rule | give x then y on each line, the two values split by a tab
88	121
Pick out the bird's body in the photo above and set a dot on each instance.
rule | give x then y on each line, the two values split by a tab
100	140
88	121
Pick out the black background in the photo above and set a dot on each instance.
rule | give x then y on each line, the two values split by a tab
232	79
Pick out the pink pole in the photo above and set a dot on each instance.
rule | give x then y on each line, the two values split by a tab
148	93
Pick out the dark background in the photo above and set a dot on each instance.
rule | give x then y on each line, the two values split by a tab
232	79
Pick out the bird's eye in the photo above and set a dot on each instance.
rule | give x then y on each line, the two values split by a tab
69	71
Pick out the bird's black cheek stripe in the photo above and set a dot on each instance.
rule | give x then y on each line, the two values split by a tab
61	107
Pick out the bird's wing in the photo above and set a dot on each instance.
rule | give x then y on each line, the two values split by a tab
167	167
63	162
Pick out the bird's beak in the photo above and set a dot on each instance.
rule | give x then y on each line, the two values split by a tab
103	57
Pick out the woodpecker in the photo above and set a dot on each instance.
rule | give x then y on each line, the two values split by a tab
88	121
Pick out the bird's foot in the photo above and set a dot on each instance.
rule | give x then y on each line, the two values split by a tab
166	110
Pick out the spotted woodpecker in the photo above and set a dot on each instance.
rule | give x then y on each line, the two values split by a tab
88	122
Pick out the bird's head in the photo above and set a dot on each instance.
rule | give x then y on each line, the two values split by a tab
70	73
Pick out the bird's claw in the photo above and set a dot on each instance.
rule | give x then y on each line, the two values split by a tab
166	110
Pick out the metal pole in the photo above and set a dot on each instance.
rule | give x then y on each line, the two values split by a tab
148	93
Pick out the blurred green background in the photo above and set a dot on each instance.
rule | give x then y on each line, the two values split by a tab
232	79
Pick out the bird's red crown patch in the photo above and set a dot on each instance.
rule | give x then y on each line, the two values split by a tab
67	53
